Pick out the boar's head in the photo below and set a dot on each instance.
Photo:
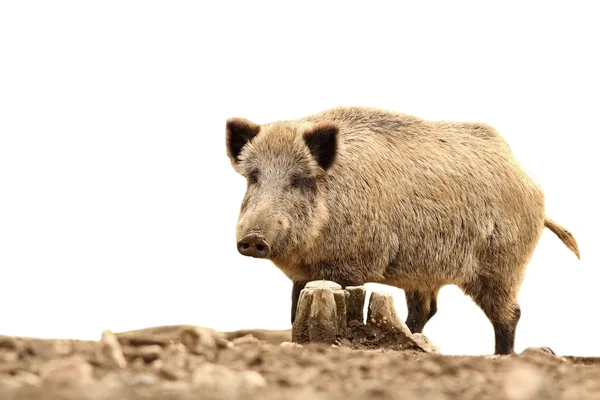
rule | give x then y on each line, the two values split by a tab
285	165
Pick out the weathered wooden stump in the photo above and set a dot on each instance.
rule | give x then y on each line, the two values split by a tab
355	302
321	314
327	313
383	312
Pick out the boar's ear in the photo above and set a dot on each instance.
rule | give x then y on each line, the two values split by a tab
321	140
240	132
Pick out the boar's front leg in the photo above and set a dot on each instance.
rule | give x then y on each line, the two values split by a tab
422	305
296	289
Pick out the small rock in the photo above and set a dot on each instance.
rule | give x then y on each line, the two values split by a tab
8	356
112	350
244	340
223	343
323	284
157	364
548	350
176	356
27	378
253	380
66	370
63	347
422	342
172	374
290	344
200	341
541	354
146	353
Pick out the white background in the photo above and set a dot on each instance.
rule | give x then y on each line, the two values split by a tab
118	204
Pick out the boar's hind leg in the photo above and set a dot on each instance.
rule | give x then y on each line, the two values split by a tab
498	300
422	305
296	289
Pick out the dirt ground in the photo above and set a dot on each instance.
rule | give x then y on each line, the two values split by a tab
183	362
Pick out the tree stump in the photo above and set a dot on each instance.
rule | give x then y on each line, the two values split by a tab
355	302
383	312
321	313
328	314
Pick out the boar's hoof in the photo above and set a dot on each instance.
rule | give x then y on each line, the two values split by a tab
254	245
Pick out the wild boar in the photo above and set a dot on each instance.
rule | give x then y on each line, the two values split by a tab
358	195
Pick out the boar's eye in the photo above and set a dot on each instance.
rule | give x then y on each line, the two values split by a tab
253	177
299	181
302	182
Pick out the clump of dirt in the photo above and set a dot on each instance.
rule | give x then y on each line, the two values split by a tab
186	362
367	337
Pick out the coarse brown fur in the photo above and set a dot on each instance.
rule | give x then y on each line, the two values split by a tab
358	195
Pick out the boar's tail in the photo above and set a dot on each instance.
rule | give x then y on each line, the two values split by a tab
563	234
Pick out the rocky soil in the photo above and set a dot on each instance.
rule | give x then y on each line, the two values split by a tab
185	362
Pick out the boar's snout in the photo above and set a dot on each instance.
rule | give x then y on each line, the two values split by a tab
254	245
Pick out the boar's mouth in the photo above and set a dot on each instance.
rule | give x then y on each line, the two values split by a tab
254	245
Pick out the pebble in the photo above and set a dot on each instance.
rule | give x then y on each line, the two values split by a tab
248	339
66	370
172	374
176	355
27	378
112	350
290	345
423	343
541	354
157	364
200	341
8	356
